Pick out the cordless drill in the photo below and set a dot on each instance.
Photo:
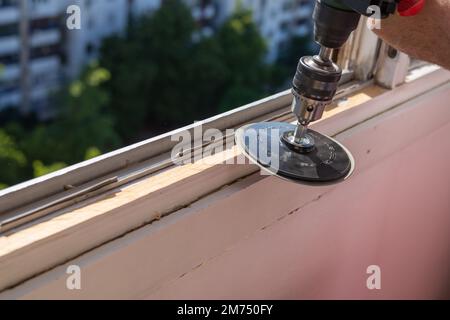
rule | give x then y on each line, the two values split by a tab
294	152
317	77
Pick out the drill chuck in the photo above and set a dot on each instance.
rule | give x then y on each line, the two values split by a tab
314	86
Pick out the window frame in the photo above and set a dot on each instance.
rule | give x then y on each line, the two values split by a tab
77	232
364	60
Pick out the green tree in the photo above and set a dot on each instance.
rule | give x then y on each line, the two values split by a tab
165	74
81	125
12	161
39	169
148	68
244	51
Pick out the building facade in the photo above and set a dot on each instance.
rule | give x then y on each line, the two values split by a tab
31	52
37	50
99	19
277	21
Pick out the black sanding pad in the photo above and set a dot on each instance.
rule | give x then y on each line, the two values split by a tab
262	143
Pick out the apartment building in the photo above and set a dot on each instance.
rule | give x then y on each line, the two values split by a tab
37	50
31	52
277	21
99	19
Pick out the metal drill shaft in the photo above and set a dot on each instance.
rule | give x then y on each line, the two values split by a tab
300	133
326	54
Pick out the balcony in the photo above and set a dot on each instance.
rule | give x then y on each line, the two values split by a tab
41	92
10	99
9	15
45	37
10	72
50	64
49	8
10	44
45	77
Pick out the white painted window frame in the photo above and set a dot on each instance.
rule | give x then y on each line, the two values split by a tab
363	56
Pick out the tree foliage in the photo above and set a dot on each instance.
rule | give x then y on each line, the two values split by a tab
81	130
161	74
165	73
81	123
12	160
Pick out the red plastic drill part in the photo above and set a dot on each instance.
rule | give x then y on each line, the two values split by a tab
408	8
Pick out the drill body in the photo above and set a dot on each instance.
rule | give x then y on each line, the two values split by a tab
334	20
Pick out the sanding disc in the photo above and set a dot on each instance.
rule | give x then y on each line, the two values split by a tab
264	145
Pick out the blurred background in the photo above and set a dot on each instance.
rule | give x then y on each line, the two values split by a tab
135	69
